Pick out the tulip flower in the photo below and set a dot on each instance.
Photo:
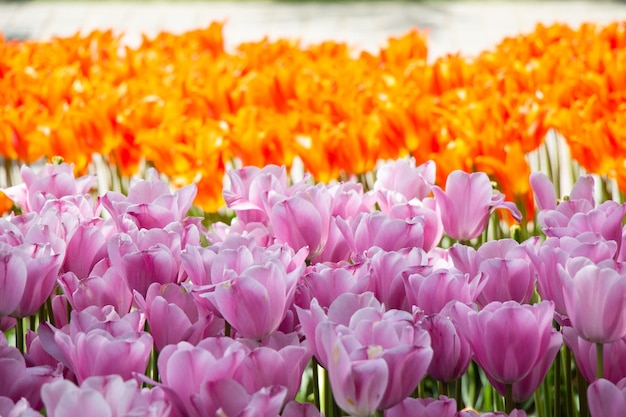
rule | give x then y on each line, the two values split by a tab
90	347
595	299
51	182
102	396
249	187
607	399
508	339
451	351
467	202
585	353
405	178
424	407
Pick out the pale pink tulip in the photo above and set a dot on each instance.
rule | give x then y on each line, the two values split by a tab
424	407
595	299
103	396
607	399
467	202
508	339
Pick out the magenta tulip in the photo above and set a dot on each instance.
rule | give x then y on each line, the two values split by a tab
607	399
585	353
406	179
248	190
451	351
467	202
595	299
508	339
102	396
424	407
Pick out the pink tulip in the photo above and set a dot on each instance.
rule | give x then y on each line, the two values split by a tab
349	199
358	377
505	263
19	409
102	396
149	204
150	256
91	347
327	281
227	397
451	351
607	399
298	409
525	388
266	367
432	290
428	210
403	177
254	295
185	369
585	353
466	204
377	229
110	288
174	316
424	407
377	360
595	299
249	188
18	381
387	271
51	182
87	247
27	277
303	219
508	339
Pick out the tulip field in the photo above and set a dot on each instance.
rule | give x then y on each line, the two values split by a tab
298	231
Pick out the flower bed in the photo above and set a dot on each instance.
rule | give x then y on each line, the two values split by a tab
406	300
190	108
392	295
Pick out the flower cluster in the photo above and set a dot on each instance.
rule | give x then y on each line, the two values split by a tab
188	106
315	298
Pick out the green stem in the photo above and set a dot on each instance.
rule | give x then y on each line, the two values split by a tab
459	394
155	365
600	360
19	334
227	328
582	394
443	388
557	384
49	311
569	386
316	382
508	398
539	403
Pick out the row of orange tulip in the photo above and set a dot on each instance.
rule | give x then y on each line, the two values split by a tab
190	107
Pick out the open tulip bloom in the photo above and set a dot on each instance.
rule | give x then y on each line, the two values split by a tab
315	298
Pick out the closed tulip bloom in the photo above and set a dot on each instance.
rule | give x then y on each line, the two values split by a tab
467	202
403	177
424	407
508	339
174	316
585	353
431	290
607	399
526	387
595	300
229	398
451	352
248	191
102	396
51	182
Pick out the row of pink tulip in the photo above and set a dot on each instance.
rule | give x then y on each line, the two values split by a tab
121	290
